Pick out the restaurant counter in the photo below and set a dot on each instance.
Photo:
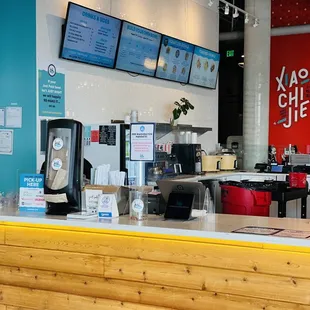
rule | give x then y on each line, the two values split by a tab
53	263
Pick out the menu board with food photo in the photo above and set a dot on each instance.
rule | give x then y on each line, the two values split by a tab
204	68
175	60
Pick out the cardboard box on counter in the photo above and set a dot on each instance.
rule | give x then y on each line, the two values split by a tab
91	195
121	194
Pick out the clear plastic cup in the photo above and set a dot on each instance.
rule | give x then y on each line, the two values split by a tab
138	204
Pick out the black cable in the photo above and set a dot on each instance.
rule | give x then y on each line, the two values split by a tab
133	74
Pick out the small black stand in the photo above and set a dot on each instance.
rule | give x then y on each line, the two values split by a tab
180	206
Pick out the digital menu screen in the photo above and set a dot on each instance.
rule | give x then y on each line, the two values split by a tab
138	49
90	37
175	60
204	68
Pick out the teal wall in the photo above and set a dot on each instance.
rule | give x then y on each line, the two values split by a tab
18	85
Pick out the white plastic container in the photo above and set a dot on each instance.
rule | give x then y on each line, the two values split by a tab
134	116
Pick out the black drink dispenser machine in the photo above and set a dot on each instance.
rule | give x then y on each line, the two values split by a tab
64	166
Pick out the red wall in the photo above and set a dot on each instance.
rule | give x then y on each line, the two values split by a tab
290	12
289	121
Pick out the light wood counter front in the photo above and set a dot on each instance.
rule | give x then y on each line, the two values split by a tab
54	267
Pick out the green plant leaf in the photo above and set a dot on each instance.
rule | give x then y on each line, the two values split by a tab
177	104
176	113
191	106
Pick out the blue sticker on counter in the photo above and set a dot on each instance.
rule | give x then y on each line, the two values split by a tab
105	214
51	92
31	193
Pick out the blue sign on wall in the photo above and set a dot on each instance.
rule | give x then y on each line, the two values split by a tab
51	92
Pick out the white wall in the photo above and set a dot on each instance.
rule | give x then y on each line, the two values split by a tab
95	95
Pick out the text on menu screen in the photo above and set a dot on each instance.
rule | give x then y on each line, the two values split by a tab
91	37
175	59
138	50
204	68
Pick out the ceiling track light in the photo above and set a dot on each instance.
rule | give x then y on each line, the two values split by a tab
226	12
236	13
256	23
210	3
241	64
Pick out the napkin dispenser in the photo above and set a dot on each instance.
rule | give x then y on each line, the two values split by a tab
64	166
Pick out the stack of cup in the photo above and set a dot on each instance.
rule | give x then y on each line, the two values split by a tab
194	138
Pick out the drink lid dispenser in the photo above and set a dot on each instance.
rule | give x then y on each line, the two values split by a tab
64	166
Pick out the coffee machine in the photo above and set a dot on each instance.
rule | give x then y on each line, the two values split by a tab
64	166
188	156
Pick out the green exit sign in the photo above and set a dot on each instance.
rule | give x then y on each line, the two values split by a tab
230	53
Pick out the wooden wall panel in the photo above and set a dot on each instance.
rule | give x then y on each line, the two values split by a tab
13	308
181	298
2	234
211	279
293	264
38	300
64	269
76	263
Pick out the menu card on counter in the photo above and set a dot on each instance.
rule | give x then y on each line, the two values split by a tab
275	232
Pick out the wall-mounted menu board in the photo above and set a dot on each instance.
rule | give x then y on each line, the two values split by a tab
204	68
138	49
174	60
99	39
90	36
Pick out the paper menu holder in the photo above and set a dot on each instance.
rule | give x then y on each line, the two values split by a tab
121	195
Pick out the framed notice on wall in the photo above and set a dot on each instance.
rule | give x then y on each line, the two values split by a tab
142	142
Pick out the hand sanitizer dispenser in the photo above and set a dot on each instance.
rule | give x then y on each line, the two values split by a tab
64	166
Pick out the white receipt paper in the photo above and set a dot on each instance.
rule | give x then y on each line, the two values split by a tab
14	116
2	117
6	142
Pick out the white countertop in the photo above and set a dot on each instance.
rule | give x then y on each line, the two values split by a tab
221	174
214	226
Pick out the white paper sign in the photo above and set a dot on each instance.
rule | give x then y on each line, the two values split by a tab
91	200
142	142
2	117
14	117
6	142
107	206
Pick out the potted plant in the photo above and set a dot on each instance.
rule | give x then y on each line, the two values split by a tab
181	107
